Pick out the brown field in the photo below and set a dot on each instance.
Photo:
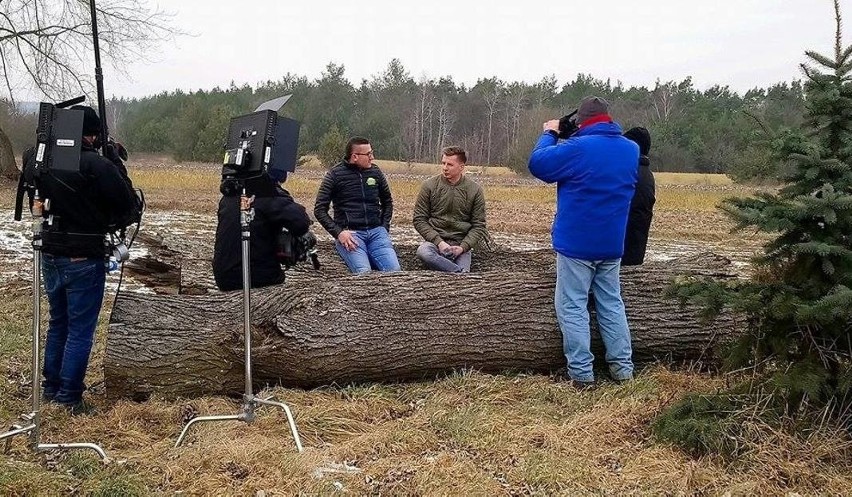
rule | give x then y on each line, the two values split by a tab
464	434
686	204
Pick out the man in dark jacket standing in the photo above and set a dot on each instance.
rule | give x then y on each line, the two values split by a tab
274	209
82	207
595	173
642	205
359	194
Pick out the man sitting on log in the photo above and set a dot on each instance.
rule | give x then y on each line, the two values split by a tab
358	192
595	170
274	209
450	215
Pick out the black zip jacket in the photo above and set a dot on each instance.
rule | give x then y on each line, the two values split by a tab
639	219
361	199
84	205
271	213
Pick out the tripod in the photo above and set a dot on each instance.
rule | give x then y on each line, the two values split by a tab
32	420
250	402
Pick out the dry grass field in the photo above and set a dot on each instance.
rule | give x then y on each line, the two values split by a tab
685	210
463	434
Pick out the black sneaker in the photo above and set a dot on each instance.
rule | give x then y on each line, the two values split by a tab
78	408
577	384
583	386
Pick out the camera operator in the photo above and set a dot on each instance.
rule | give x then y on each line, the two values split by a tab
274	209
83	207
595	170
642	205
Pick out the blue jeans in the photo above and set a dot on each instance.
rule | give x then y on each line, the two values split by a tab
374	251
574	279
75	291
433	259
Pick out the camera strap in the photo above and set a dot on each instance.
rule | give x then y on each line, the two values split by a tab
26	180
19	197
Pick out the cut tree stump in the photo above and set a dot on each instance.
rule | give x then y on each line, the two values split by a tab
329	327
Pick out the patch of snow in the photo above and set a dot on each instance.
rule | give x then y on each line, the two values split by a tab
334	467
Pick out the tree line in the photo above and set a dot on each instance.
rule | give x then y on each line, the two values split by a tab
716	130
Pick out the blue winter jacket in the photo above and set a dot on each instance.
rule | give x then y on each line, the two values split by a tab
595	173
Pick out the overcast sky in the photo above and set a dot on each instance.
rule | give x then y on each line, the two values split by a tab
742	44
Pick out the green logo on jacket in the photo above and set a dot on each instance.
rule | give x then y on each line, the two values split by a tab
371	181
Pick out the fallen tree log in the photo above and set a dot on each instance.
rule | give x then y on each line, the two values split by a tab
322	328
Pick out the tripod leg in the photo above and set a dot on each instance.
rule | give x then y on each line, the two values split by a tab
249	400
200	419
95	447
34	417
15	430
290	420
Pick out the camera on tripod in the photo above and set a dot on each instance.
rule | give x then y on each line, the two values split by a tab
259	144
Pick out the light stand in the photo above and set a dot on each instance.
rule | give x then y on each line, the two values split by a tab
250	401
32	420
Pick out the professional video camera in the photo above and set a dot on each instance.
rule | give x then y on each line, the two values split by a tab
265	143
295	249
261	143
568	126
58	148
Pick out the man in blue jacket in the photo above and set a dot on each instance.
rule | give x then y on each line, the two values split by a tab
595	173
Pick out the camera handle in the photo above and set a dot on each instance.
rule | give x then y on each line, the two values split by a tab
315	262
250	402
31	422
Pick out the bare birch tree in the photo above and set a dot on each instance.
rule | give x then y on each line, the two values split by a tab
516	99
46	48
446	119
667	98
491	91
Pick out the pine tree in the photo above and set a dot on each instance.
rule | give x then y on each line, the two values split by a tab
798	305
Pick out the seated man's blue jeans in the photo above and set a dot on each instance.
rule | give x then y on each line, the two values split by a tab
433	259
574	279
374	251
75	291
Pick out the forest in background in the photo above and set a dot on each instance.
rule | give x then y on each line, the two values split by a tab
715	130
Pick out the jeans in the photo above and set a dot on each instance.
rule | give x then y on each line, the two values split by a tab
75	291
433	259
374	251
574	279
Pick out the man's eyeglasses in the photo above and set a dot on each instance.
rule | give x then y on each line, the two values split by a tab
370	153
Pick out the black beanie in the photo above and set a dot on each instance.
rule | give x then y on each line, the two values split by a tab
91	121
642	138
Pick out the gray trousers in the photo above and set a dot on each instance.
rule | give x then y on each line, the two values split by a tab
430	255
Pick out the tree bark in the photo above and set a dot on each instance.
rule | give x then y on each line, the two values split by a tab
330	327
